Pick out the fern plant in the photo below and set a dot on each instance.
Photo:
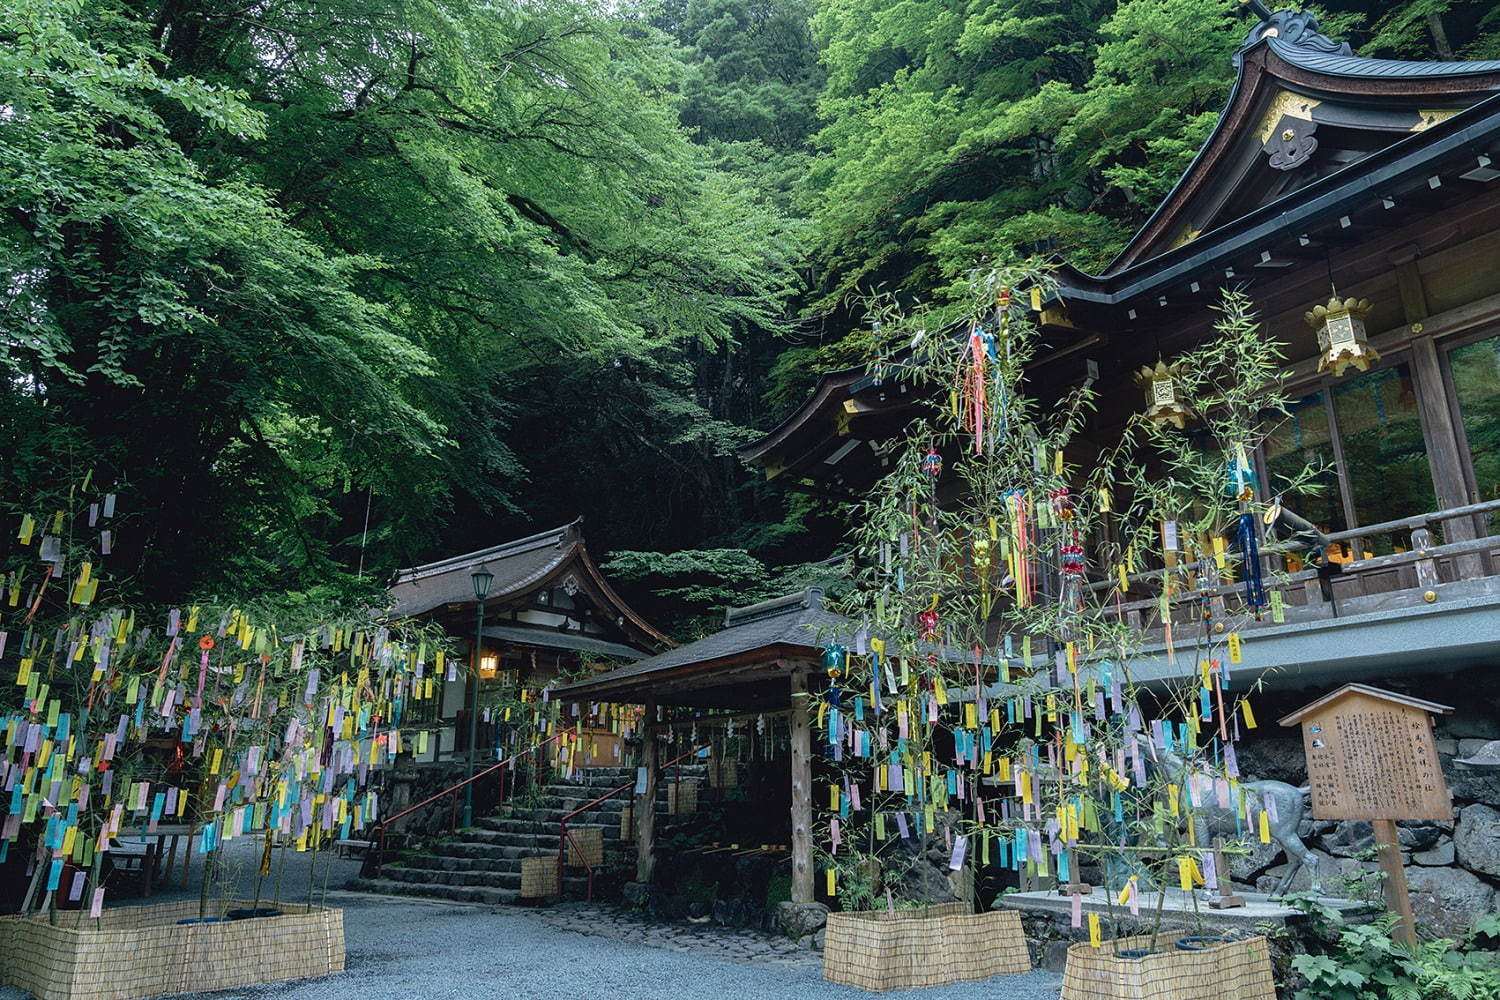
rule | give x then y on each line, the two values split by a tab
1363	961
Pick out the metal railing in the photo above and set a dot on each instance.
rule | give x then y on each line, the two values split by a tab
565	837
375	854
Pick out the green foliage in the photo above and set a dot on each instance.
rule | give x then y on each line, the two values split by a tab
1435	29
1363	962
330	289
698	584
982	131
271	295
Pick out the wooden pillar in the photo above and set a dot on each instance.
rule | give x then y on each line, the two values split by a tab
802	871
645	804
1397	898
1437	420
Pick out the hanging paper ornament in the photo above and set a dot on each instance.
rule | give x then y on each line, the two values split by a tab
1255	589
929	620
982	554
835	659
1342	340
1071	559
932	464
1162	403
1062	504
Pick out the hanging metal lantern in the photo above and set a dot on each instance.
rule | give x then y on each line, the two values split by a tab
1342	341
1162	402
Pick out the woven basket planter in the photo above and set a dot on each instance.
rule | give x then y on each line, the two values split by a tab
682	798
539	877
142	951
627	824
1233	970
585	843
904	949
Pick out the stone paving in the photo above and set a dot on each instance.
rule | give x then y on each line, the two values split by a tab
729	944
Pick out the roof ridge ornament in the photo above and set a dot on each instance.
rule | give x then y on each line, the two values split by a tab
1292	27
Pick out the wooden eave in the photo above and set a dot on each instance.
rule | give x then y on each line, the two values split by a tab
717	683
1369	692
1262	73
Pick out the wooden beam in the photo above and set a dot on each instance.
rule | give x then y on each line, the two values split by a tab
802	871
1409	281
645	805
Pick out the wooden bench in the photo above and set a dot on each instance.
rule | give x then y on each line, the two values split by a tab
353	848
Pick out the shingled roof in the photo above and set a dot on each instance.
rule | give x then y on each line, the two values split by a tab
796	625
521	568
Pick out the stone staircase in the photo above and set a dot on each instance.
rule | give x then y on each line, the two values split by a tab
483	864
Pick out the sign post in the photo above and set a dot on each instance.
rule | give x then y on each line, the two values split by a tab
1371	756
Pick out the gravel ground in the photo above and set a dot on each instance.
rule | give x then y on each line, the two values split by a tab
399	947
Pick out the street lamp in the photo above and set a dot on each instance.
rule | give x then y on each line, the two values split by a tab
481	578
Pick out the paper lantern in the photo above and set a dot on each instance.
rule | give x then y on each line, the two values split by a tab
1162	402
1341	335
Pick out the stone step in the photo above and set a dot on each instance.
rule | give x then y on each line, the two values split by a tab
596	777
437	876
458	863
576	797
554	816
462	894
540	842
533	824
460	849
476	879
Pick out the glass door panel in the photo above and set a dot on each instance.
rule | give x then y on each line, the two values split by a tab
1385	454
1476	382
1304	441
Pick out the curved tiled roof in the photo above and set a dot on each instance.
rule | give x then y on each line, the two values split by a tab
798	620
1336	64
519	566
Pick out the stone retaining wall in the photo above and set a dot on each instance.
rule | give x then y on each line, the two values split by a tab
1453	868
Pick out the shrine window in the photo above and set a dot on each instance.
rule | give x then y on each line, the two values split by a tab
1363	434
1474	369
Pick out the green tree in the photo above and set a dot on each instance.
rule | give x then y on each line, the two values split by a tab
287	271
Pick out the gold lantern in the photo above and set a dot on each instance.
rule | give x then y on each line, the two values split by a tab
1162	402
1341	335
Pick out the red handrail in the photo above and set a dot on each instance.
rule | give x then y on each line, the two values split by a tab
375	858
565	837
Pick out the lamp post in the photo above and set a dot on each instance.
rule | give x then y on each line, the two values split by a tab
481	578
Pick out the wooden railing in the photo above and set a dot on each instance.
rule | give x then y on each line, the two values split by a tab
565	837
1467	553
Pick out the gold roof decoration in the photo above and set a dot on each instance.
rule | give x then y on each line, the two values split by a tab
1163	405
1342	340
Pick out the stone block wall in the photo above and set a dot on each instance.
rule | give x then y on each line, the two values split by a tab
1452	868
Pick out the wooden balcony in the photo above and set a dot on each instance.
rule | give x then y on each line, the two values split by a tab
1434	606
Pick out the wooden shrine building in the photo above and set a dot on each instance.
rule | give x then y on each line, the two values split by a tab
1374	180
764	662
549	613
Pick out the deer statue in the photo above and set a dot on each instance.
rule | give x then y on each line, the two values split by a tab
1285	805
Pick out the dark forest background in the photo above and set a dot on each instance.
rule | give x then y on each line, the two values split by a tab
329	287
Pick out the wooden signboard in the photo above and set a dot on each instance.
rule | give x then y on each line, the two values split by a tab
1371	756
